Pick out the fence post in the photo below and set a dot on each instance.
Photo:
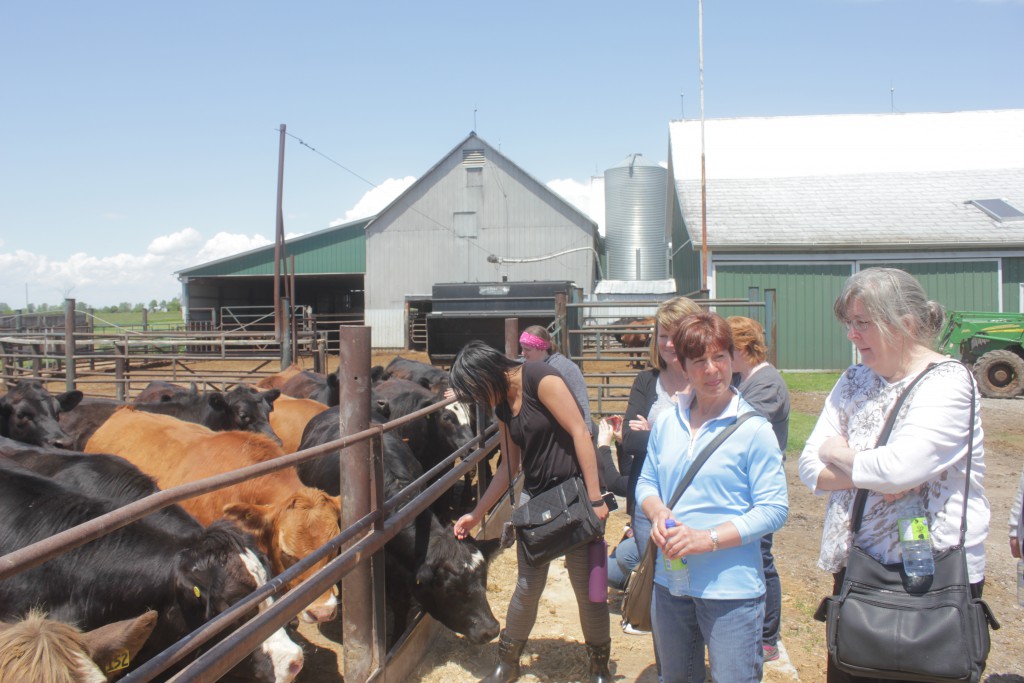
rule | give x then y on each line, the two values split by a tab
286	333
512	337
354	416
771	326
69	344
119	368
562	316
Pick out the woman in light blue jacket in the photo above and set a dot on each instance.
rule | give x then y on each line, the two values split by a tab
738	496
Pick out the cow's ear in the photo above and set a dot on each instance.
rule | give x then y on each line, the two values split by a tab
113	647
424	575
383	407
68	400
217	401
489	548
332	380
252	518
271	395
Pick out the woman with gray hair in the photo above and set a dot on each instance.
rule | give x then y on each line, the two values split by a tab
894	326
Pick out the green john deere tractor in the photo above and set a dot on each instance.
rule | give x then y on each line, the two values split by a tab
994	344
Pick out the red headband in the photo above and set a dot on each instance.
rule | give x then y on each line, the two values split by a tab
533	341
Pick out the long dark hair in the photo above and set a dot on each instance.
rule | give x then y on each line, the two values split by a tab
480	373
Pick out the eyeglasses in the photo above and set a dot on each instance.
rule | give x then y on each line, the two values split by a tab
860	326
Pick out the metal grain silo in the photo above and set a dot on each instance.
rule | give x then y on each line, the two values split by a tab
634	200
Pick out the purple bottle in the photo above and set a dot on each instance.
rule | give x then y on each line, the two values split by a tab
598	570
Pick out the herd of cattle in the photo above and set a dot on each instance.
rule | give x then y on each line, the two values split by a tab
110	605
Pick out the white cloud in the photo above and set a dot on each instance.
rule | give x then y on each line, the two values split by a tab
587	196
225	244
374	201
176	241
114	278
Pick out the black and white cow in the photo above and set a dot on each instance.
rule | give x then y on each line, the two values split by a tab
187	579
424	564
29	413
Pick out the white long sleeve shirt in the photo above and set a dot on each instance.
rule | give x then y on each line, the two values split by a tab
925	455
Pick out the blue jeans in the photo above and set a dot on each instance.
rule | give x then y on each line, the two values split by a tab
772	594
622	561
731	629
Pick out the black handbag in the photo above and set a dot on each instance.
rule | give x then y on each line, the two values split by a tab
552	523
556	521
639	591
884	624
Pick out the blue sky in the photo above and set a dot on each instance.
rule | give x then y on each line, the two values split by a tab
139	138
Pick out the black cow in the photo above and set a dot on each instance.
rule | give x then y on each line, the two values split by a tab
424	564
432	438
158	390
314	385
109	477
188	579
428	376
29	413
243	409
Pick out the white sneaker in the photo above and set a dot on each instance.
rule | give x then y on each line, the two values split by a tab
633	630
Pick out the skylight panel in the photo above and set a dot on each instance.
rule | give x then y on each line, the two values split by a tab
999	209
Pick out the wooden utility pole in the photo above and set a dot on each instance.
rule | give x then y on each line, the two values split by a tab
279	238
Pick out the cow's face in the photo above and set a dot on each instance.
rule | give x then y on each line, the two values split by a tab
29	413
452	586
220	569
290	531
250	410
452	433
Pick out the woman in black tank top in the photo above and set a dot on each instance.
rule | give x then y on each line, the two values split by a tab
547	437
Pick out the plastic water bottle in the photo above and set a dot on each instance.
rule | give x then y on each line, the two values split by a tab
1020	582
915	540
675	570
598	570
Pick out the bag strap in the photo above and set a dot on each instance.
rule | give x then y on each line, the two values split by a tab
705	454
649	551
506	456
862	494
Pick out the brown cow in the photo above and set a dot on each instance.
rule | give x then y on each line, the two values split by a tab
277	381
640	338
288	519
290	416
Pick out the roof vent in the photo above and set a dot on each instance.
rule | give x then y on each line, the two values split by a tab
999	209
472	157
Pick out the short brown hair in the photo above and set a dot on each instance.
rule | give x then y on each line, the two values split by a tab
699	332
748	336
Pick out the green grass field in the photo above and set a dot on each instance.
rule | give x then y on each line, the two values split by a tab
106	323
801	424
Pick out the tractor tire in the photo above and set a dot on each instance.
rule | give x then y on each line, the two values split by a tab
1000	374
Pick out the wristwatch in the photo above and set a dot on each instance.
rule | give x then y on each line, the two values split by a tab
714	539
597	503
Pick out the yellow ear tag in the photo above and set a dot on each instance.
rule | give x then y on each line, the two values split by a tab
118	662
195	589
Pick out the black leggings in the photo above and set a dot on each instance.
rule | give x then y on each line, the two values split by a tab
834	675
522	610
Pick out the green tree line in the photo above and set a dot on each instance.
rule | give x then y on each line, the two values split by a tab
174	305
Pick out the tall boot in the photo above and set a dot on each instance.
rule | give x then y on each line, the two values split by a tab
507	669
599	655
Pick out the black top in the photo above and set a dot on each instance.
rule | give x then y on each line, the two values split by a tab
548	452
642	397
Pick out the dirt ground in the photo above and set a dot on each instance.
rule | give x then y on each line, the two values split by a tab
555	651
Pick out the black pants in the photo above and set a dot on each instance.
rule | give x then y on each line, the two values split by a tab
837	676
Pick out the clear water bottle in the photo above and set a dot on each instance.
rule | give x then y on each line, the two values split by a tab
915	539
675	570
1020	582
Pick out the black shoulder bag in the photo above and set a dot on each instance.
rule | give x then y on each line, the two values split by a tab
555	521
884	624
636	602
